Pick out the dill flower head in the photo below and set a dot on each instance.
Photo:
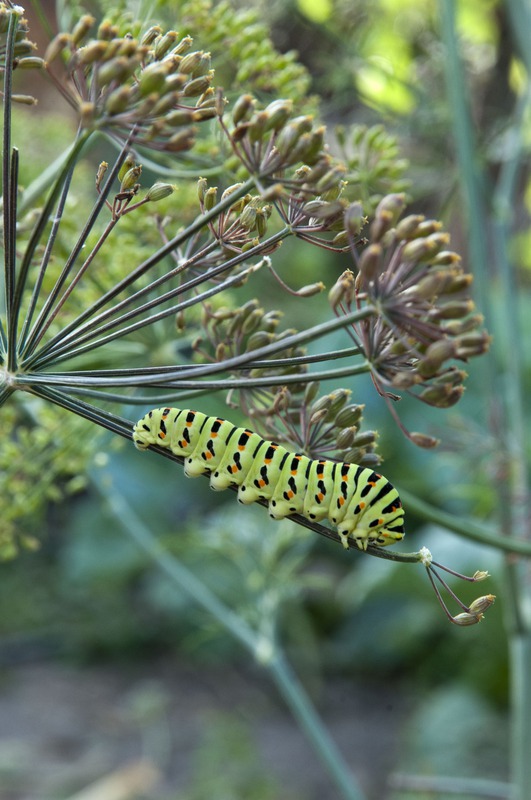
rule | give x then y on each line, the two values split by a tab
150	90
423	319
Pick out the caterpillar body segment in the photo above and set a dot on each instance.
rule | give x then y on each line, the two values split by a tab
360	503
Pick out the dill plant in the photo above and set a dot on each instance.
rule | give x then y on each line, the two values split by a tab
151	276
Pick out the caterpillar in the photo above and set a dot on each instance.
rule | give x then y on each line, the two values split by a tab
360	503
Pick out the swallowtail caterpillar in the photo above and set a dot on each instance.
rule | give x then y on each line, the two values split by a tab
361	504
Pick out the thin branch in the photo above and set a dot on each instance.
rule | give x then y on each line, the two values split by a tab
194	371
466	528
9	210
39	327
199	223
64	348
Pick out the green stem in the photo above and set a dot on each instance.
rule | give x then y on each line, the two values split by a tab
466	528
303	711
467	154
286	681
295	339
9	191
520	653
78	325
513	493
72	381
435	785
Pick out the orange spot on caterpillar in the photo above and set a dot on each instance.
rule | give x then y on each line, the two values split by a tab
362	505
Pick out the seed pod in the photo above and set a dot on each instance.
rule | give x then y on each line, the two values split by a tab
243	108
184	140
365	439
466	618
253	321
130	178
248	217
191	61
370	263
330	179
349	416
197	86
458	327
100	175
343	290
386	214
31	62
258	339
405	380
107	30
452	310
150	35
179	117
82	28
354	219
442	395
93	51
428	227
423	440
56	47
278	112
481	604
183	46
436	354
164	44
159	191
452	376
407	228
345	438
473	344
446	258
419	250
118	101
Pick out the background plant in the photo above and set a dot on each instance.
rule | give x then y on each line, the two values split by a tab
406	340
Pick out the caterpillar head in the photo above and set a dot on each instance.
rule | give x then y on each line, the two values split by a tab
151	429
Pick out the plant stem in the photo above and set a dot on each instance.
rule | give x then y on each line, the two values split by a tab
286	681
513	493
520	655
9	190
303	711
466	528
72	381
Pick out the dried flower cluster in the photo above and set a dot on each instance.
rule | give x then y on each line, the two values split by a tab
150	91
422	318
325	426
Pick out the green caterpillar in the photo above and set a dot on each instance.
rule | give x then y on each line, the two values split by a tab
360	503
